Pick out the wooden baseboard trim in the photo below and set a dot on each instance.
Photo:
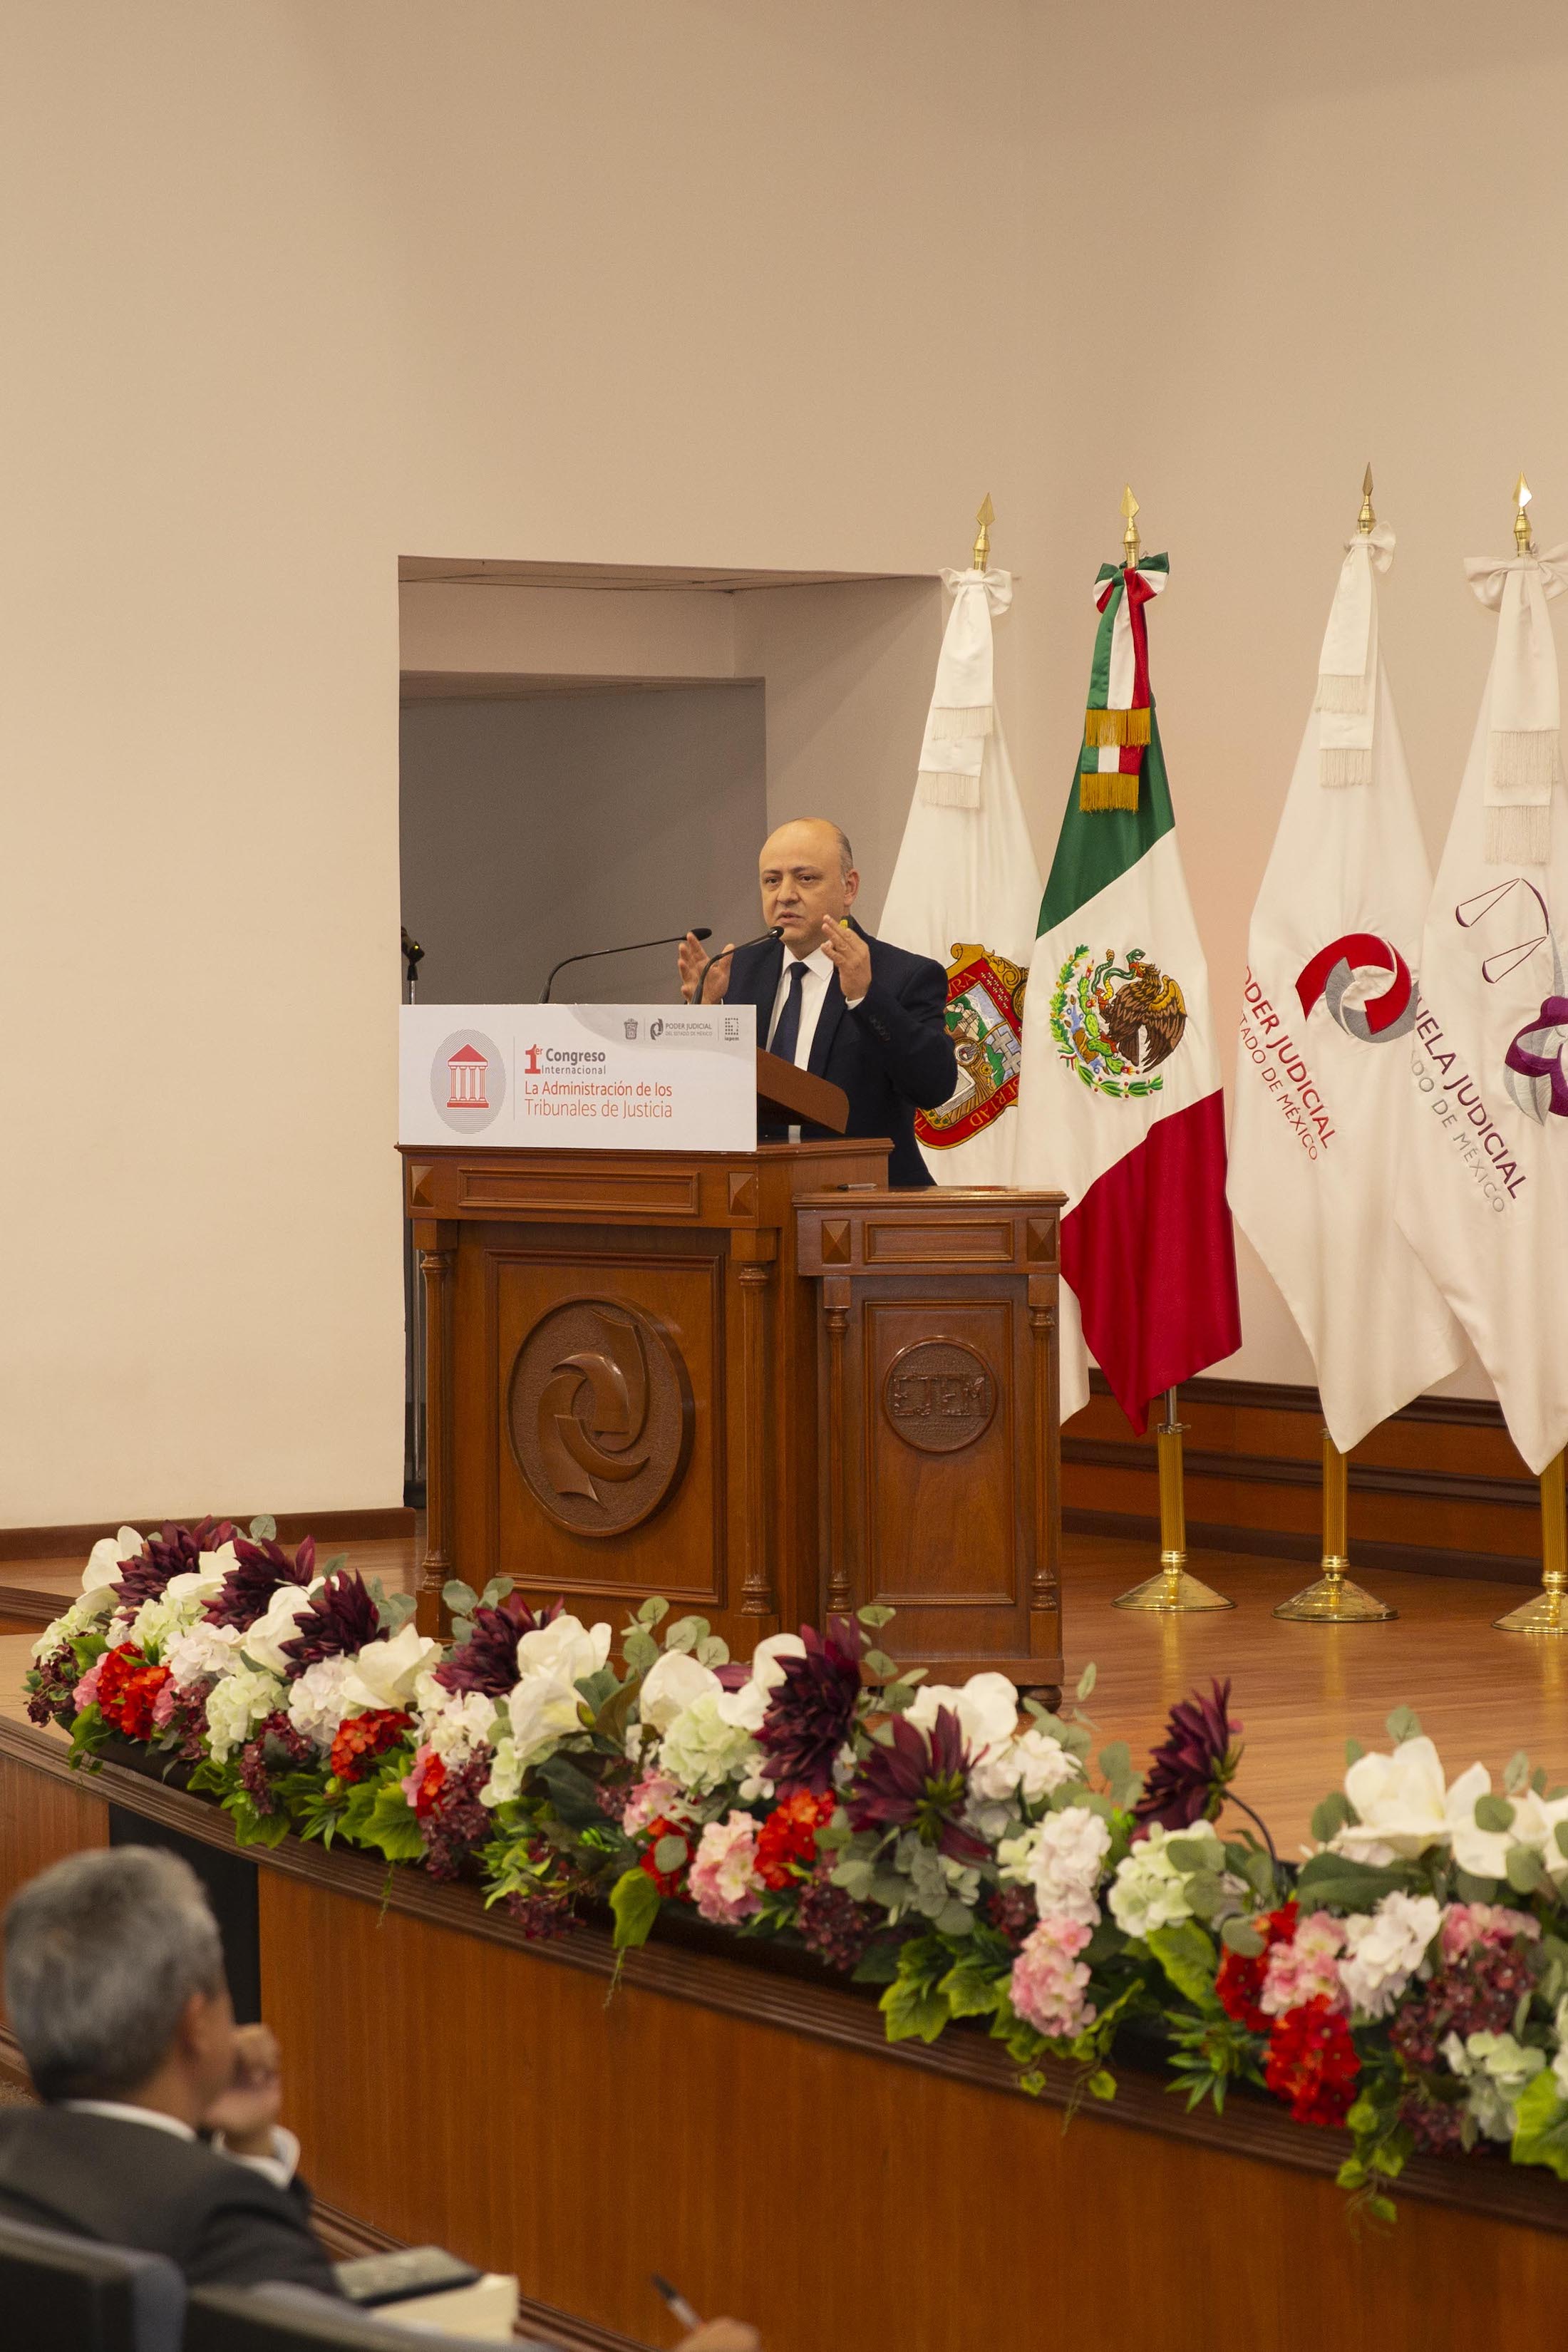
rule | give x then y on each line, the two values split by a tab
327	1526
1285	1396
1282	1543
1281	1470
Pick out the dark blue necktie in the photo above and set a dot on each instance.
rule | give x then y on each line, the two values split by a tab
786	1029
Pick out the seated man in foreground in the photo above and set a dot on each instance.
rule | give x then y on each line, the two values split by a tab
114	1983
867	1016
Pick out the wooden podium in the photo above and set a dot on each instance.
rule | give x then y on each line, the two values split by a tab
656	1372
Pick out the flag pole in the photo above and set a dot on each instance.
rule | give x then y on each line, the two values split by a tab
985	517
1548	1612
1172	1593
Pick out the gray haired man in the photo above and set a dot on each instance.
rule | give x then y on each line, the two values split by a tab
159	2127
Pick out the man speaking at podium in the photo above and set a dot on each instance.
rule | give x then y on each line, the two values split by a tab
866	1015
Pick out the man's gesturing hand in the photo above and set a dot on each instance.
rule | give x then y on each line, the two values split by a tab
692	961
246	2112
852	956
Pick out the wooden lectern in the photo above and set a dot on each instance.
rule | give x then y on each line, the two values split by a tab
757	1382
621	1366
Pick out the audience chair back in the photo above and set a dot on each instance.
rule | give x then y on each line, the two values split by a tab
294	2318
71	2295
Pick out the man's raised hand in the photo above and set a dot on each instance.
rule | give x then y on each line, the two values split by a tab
692	961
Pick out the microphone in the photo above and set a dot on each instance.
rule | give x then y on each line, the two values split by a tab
701	933
773	931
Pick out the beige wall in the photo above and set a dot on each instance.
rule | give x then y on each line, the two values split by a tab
293	286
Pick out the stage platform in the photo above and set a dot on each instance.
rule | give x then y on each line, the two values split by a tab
1299	1690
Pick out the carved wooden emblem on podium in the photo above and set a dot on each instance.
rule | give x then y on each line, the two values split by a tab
940	1395
600	1413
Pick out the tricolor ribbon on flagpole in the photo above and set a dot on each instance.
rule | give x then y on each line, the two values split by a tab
962	703
1347	667
1116	719
1523	752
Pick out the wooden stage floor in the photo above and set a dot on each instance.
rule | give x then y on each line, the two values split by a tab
1299	1690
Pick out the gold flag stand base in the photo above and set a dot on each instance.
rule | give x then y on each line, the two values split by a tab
1548	1612
1172	1593
1335	1599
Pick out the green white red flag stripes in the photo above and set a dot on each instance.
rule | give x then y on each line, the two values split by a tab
1323	1065
966	891
1120	1106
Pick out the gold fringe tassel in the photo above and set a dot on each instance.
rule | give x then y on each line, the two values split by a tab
1102	727
1099	789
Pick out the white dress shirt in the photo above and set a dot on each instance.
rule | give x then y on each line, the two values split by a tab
280	2168
819	968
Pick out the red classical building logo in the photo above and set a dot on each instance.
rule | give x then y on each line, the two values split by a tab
466	1069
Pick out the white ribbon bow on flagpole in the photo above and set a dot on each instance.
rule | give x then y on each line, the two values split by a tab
1523	753
960	718
1347	667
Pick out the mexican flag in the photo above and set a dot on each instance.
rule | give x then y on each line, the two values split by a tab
1120	1106
966	891
1483	1191
1327	1016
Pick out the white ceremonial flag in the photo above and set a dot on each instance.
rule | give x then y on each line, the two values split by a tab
1322	1066
1483	1188
966	889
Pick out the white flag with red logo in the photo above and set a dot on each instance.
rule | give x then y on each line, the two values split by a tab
1484	1190
1323	1066
966	891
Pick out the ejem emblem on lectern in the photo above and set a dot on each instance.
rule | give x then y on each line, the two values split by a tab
466	1070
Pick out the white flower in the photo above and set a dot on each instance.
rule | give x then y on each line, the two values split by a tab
506	1775
1385	1948
80	1618
1150	1890
1065	1867
542	1710
672	1683
986	1707
1030	1765
748	1706
203	1650
1496	2068
316	1702
174	1610
385	1673
1484	1852
703	1750
565	1648
236	1705
453	1723
277	1624
1400	1802
107	1560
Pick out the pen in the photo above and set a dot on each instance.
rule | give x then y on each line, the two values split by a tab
678	2304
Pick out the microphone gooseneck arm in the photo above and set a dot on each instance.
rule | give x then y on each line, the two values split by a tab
773	931
631	947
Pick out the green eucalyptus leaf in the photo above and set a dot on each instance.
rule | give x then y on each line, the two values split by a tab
1354	1751
877	1663
640	1650
496	1591
1087	1680
339	1560
263	1528
1239	1935
1336	1882
459	1596
1207	1892
670	1854
654	1611
876	1614
462	1630
1516	1772
685	1632
712	1651
1493	1814
1331	1815
1404	1724
1526	1871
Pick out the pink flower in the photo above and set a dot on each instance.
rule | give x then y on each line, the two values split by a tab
654	1795
163	1705
1305	1968
1464	1924
86	1691
1049	1979
723	1881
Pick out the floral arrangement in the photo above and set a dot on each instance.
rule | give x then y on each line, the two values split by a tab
1406	1980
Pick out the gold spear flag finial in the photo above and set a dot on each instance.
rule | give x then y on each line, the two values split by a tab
1367	520
985	518
1129	541
1522	494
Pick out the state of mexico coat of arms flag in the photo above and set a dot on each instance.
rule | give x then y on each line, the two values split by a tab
1120	1106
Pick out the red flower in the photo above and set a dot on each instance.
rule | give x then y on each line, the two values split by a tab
362	1738
786	1843
428	1784
1240	1981
1313	2062
128	1690
666	1880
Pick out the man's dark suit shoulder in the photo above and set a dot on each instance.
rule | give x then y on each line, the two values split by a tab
130	2184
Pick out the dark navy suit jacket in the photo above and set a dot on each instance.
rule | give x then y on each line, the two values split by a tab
890	1052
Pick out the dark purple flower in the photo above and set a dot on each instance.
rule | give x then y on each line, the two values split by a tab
832	1924
920	1783
246	1591
277	1747
1194	1764
811	1711
341	1618
175	1550
457	1824
486	1660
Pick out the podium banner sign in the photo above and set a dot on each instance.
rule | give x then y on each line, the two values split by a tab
595	1077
